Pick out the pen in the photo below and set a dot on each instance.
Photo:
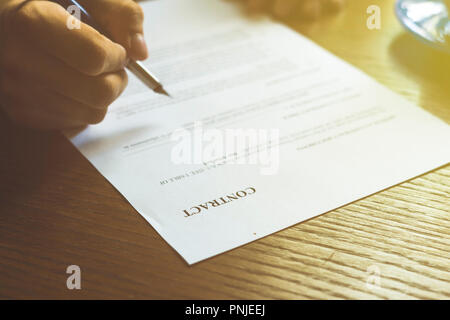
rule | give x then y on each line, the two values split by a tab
136	67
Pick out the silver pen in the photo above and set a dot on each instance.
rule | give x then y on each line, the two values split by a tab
146	77
134	66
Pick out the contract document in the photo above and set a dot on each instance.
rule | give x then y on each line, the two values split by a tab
264	129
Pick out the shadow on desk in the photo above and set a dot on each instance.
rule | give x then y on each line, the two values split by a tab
25	158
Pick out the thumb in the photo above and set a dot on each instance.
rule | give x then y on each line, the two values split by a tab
122	20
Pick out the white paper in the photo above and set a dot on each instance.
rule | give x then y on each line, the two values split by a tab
336	135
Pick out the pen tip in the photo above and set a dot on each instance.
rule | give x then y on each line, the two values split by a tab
161	90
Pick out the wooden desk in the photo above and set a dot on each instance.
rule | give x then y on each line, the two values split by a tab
56	210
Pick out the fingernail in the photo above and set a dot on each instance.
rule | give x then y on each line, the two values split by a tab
127	61
138	46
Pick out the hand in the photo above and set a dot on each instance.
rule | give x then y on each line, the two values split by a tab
284	8
54	77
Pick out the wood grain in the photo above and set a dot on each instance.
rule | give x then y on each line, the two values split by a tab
56	210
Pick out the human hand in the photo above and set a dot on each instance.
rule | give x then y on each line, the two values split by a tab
284	8
54	77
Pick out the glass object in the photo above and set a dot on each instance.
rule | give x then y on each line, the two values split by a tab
428	20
